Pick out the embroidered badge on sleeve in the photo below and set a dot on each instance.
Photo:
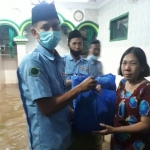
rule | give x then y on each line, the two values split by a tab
34	71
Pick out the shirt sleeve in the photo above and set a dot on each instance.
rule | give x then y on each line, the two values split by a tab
36	79
89	70
68	72
101	69
144	106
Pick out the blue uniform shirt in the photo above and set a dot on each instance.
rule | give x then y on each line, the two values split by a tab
40	74
72	67
95	67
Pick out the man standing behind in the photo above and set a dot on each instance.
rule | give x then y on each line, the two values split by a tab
41	85
94	54
74	63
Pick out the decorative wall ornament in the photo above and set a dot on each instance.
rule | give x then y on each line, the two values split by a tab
78	16
16	10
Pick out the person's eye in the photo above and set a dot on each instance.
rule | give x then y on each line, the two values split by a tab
133	63
45	28
123	63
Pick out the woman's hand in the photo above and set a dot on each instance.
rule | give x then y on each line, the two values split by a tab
140	127
108	130
98	88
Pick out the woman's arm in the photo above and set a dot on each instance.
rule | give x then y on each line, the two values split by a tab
143	126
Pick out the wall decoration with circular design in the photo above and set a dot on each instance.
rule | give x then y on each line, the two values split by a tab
78	16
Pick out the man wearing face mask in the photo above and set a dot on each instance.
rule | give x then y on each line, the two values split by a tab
74	63
41	84
94	54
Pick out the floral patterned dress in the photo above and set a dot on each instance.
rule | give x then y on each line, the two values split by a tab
130	107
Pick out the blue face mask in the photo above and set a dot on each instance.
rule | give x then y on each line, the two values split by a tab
49	39
94	57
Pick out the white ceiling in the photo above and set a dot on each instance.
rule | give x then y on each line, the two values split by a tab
91	4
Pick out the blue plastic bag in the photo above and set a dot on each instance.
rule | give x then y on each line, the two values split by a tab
107	81
91	107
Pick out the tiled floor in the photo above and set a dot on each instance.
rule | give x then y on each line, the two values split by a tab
12	121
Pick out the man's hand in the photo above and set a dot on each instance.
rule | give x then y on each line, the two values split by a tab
108	130
88	84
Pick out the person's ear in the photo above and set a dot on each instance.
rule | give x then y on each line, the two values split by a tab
35	33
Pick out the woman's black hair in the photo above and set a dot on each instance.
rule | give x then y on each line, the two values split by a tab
139	53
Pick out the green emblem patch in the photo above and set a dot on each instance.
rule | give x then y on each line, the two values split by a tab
34	71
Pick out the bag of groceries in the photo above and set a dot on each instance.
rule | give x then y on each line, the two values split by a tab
91	107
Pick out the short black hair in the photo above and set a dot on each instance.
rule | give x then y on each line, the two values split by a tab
95	41
140	54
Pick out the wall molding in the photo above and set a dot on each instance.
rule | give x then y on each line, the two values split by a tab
88	23
10	23
20	28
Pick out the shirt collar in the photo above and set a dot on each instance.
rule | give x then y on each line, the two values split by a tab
46	53
71	58
92	61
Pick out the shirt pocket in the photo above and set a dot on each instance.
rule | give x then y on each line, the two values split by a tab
83	70
68	73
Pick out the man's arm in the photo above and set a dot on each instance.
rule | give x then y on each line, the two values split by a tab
38	84
50	105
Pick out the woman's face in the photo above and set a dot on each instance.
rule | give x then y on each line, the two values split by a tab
131	67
